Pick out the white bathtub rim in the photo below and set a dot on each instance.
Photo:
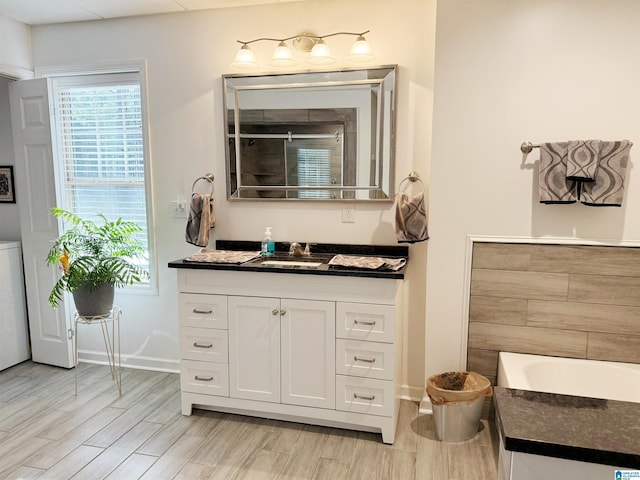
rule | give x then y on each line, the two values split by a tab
570	376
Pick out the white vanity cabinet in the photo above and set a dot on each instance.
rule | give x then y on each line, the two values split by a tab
318	349
282	350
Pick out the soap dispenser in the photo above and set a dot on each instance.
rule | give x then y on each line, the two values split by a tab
268	247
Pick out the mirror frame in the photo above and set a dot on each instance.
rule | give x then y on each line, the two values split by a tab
384	153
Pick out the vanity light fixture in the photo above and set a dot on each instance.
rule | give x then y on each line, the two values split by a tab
319	52
283	56
245	59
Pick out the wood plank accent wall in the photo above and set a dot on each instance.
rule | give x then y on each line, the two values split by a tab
561	300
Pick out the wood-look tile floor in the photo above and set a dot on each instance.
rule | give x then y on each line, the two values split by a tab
48	433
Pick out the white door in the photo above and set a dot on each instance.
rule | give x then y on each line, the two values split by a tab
50	329
254	348
308	356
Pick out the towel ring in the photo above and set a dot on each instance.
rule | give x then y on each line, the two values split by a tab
208	178
413	177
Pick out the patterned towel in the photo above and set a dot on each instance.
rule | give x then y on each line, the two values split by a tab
582	160
209	255
553	186
201	219
608	188
411	218
370	263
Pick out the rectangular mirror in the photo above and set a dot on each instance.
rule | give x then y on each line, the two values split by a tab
311	135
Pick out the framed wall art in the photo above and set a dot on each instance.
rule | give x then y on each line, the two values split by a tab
7	190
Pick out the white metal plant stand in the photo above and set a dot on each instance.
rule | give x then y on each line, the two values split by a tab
111	342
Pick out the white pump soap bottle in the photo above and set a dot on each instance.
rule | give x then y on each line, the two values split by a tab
268	247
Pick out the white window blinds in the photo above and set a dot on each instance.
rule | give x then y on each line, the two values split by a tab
100	145
314	169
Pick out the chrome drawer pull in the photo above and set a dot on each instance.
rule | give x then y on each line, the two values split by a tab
203	379
370	323
364	359
364	397
203	312
202	345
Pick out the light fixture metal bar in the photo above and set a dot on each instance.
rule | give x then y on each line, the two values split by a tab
317	37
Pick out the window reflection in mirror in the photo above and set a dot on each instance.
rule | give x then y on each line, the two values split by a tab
311	136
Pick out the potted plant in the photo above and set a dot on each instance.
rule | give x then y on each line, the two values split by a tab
94	259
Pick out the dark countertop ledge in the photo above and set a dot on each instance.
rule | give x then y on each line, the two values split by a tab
322	251
574	428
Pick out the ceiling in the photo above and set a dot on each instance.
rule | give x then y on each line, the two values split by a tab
39	12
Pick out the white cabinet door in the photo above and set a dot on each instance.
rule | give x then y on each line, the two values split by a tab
254	348
308	352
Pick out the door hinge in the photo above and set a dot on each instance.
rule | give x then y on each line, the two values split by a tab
70	333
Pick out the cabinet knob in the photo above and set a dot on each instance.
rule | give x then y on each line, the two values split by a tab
275	312
283	312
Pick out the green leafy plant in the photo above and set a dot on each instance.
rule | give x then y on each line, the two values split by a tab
91	255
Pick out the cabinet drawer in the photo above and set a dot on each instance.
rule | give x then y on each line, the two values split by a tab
204	311
364	395
204	344
364	359
363	321
204	377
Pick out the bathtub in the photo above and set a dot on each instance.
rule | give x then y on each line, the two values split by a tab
565	376
569	376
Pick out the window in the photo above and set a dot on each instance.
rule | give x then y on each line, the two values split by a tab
314	170
101	160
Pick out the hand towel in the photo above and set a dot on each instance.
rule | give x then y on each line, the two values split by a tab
208	255
553	186
201	219
608	188
582	160
411	218
369	263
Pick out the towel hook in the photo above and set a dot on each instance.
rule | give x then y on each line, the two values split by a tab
208	177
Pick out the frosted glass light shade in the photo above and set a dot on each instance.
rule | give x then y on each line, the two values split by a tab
245	59
360	52
283	56
320	54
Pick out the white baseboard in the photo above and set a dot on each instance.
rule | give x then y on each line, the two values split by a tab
425	405
411	392
131	361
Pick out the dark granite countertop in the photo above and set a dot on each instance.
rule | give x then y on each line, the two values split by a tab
574	428
320	251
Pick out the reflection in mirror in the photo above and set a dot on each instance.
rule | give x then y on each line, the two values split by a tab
311	136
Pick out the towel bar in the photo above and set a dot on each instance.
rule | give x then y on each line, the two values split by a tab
527	147
208	178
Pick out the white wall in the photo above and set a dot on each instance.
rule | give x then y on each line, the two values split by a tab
506	72
186	54
9	216
15	49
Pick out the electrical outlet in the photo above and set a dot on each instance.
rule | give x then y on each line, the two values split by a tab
178	209
349	214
